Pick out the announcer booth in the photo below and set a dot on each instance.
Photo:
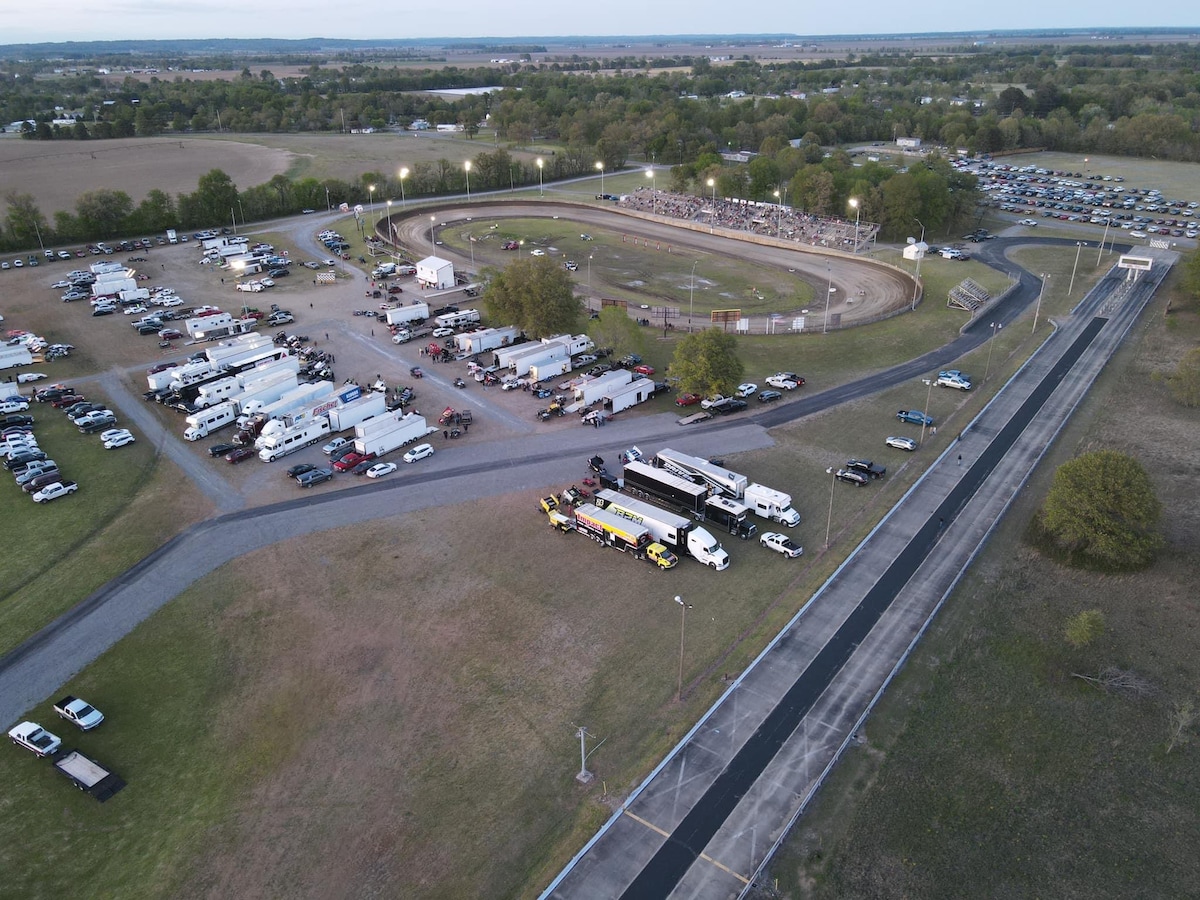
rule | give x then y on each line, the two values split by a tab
435	273
1135	266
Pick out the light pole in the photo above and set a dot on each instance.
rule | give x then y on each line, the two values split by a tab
432	246
692	296
1079	245
683	608
995	326
540	164
403	175
371	191
1098	255
653	190
600	166
829	523
521	253
328	205
242	210
467	169
778	217
857	214
712	183
920	256
1038	308
828	296
389	216
928	397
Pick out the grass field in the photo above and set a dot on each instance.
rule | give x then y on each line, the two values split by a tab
389	710
990	770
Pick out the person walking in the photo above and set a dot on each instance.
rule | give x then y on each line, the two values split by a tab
960	459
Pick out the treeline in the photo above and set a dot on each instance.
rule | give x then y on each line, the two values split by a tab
1128	100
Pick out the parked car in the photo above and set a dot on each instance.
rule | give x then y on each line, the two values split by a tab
419	452
585	359
745	390
315	476
119	440
334	445
644	369
380	469
710	402
769	396
94	425
781	383
858	479
241	453
730	405
914	417
901	443
351	459
297	470
442	332
781	543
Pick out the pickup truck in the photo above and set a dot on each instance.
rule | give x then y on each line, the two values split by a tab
868	468
914	417
54	491
34	737
79	711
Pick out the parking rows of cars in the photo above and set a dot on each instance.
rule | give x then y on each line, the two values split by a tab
1085	198
97	249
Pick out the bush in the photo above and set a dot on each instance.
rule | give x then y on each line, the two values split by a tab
1101	512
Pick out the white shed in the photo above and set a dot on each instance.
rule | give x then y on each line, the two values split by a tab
916	250
435	272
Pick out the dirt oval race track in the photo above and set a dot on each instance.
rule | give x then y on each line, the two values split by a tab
865	290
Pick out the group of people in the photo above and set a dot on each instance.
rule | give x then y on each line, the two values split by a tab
771	219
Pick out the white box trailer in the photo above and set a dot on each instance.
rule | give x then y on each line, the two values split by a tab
521	364
113	288
458	319
238	348
108	267
552	369
504	355
580	343
485	339
205	324
434	272
216	391
309	394
11	357
134	296
319	407
205	422
402	315
252	370
354	413
290	440
622	398
190	373
597	388
383	434
268	389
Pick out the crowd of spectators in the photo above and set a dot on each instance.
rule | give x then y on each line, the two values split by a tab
771	219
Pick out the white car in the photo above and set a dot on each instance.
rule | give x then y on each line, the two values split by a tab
901	443
585	360
80	712
1137	234
418	452
537	252
335	444
33	736
746	390
113	433
780	543
709	402
60	285
1032	223
26	377
954	381
171	301
13	406
119	440
780	383
380	469
135	309
267	283
442	332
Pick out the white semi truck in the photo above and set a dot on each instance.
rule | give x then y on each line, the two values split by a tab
677	533
764	501
206	421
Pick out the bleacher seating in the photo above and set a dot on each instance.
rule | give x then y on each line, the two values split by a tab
968	295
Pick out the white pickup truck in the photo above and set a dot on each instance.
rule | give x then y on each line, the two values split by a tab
54	491
35	738
79	711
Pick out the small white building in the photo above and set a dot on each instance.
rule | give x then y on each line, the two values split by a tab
436	273
916	250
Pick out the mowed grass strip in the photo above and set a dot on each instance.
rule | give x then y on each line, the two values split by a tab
126	506
989	768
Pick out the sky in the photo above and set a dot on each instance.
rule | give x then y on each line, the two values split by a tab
82	20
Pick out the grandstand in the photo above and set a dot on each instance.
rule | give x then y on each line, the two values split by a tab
968	295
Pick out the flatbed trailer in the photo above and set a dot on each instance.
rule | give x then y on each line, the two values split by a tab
88	775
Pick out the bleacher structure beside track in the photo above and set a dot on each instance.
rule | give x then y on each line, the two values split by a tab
967	295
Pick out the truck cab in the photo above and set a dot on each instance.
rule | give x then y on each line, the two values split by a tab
661	556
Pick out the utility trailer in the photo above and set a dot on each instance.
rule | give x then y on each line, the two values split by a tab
88	775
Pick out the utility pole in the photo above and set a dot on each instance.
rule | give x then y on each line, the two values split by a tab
584	776
1041	291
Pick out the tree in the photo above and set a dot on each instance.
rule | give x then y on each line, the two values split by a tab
535	294
1084	628
1101	511
23	220
102	213
614	329
707	363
